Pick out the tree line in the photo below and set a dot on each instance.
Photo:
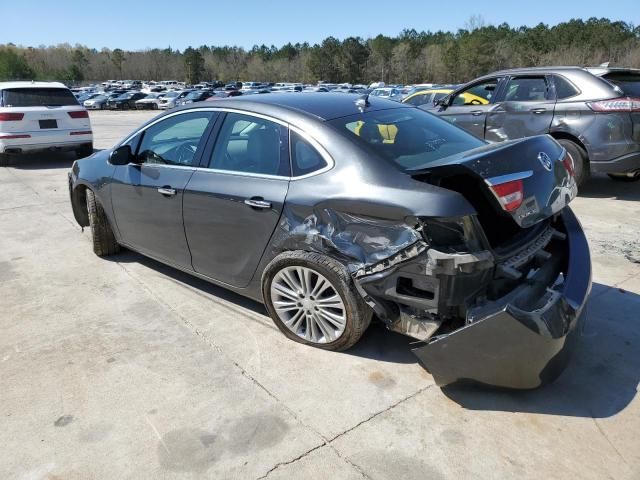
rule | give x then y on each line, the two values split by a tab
410	57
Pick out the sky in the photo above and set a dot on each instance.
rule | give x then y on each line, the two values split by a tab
142	24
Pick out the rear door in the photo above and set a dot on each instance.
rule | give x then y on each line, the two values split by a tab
524	108
147	197
468	107
232	206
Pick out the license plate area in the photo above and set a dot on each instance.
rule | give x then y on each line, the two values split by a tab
48	124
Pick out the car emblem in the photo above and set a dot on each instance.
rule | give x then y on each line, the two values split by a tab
544	159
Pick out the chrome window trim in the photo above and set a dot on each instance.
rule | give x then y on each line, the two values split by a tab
510	177
323	152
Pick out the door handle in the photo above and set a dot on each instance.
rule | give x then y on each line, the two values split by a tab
477	113
167	191
257	203
538	111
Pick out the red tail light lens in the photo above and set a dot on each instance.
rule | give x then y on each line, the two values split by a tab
11	117
510	194
11	137
622	104
79	114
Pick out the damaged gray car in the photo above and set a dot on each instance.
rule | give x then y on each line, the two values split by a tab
334	211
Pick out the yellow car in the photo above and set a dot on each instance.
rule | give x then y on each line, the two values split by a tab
431	96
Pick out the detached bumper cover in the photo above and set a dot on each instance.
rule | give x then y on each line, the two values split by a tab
513	348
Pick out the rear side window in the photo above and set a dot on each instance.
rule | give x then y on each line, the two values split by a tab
305	158
629	82
253	145
38	97
564	89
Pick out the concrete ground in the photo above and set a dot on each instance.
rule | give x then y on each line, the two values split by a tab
123	368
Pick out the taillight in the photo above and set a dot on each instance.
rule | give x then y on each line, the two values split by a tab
78	114
510	194
567	161
11	117
621	104
11	137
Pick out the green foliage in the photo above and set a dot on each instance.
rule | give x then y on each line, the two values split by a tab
412	56
194	64
13	65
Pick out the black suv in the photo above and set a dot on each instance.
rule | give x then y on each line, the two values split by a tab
593	112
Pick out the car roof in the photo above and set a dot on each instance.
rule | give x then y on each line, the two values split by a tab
5	85
310	104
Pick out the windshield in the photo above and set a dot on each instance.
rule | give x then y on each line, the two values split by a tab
37	97
194	95
125	96
409	137
171	94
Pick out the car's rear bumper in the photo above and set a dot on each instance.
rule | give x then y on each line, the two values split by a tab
46	141
514	348
625	164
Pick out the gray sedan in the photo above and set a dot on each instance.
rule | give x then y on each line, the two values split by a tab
335	209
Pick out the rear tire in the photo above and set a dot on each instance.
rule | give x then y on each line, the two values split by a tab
621	177
580	162
104	242
354	312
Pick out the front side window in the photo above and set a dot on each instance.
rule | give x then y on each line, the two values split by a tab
409	138
174	140
304	157
478	94
527	89
248	144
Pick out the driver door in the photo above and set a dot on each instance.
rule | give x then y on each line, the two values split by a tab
147	195
468	108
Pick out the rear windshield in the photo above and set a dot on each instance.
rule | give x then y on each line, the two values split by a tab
629	82
408	137
37	97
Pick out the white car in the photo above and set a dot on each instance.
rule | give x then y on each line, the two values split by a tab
41	116
151	101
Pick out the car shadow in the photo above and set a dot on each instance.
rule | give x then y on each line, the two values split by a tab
601	186
200	286
377	343
601	379
43	160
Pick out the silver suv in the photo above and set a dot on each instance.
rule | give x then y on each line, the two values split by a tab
593	112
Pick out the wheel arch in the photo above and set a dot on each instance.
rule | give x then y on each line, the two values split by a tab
560	135
79	204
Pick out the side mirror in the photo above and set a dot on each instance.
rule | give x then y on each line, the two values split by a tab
443	102
121	156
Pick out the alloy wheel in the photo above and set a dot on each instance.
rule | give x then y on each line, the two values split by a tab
308	304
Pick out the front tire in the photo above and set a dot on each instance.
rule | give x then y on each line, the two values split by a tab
104	241
312	300
579	156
